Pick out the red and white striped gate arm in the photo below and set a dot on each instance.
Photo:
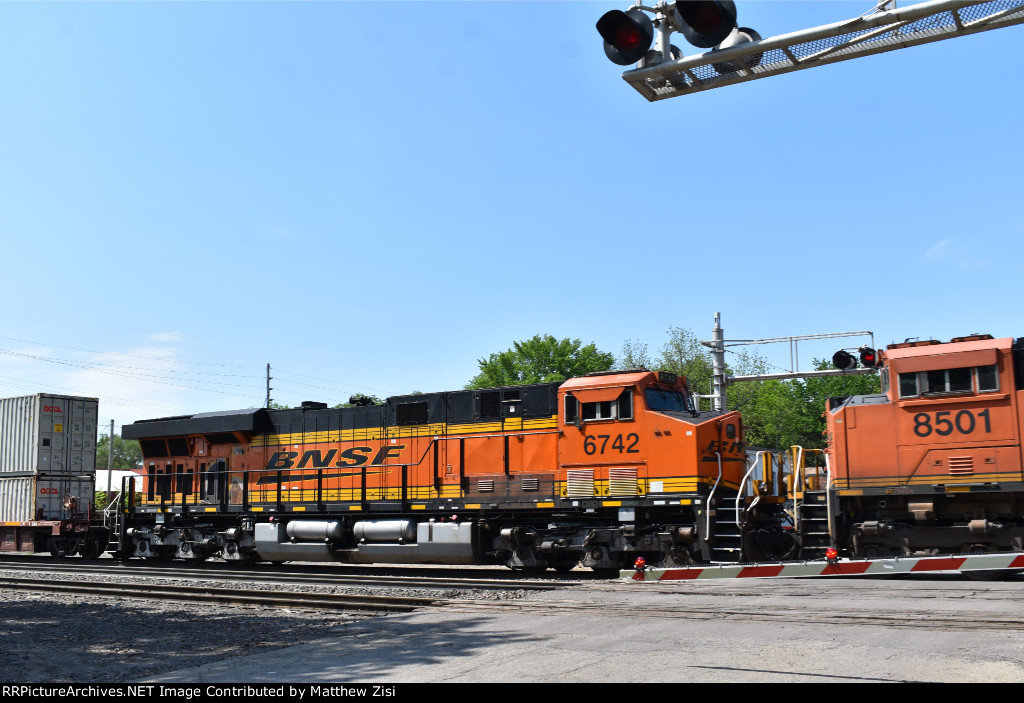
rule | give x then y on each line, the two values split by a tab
840	567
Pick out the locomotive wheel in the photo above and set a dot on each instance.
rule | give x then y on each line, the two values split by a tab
91	549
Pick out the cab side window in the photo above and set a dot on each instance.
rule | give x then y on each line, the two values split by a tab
977	379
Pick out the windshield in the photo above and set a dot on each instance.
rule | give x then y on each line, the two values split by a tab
658	399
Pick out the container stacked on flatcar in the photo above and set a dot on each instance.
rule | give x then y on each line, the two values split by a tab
47	474
596	471
933	463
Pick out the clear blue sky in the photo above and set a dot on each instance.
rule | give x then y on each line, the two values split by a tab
372	196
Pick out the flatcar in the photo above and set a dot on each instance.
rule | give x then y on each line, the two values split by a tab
933	463
596	471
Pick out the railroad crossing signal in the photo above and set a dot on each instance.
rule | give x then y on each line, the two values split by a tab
843	360
705	23
627	35
868	357
744	56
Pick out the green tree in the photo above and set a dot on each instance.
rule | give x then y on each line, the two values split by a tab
683	354
785	413
634	356
540	360
127	453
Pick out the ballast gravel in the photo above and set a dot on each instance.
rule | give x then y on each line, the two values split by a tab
54	638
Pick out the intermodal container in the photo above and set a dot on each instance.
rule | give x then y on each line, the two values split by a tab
48	435
42	498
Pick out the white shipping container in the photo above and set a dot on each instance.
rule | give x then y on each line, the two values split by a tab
45	434
27	498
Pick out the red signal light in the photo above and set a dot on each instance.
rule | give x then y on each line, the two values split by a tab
831	554
868	357
628	38
627	35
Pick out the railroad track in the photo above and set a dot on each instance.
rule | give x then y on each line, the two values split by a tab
232	574
204	595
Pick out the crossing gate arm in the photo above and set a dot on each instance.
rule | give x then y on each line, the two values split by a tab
839	567
863	36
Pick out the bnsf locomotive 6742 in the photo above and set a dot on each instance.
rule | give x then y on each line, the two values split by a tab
598	471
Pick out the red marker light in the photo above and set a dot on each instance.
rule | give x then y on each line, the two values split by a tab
831	553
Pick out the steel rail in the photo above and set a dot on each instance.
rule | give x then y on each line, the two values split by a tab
231	573
221	596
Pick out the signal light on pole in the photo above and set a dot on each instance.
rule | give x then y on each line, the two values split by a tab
868	357
706	23
627	35
843	360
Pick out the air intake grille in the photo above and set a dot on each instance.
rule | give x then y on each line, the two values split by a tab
622	482
580	483
961	465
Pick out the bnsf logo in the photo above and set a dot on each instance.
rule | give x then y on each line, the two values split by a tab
51	409
49	491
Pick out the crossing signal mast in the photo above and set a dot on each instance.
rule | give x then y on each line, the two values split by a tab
739	54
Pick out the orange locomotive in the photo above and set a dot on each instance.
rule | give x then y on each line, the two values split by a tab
933	464
597	471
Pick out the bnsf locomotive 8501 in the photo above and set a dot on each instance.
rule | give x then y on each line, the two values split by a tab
933	463
597	471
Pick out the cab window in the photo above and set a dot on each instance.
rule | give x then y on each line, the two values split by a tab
660	399
619	409
980	379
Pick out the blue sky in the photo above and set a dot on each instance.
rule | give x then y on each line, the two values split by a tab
372	196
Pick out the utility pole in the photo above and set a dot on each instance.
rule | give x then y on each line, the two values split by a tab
267	404
717	346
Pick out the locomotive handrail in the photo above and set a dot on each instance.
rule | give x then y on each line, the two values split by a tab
798	484
714	488
111	509
753	484
828	499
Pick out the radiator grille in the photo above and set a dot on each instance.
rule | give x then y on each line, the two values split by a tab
961	465
580	483
622	482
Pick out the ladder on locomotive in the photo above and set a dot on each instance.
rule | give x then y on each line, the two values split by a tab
731	510
811	509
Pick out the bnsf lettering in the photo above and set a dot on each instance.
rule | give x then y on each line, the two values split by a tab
281	460
386	453
314	456
353	456
724	447
52	409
